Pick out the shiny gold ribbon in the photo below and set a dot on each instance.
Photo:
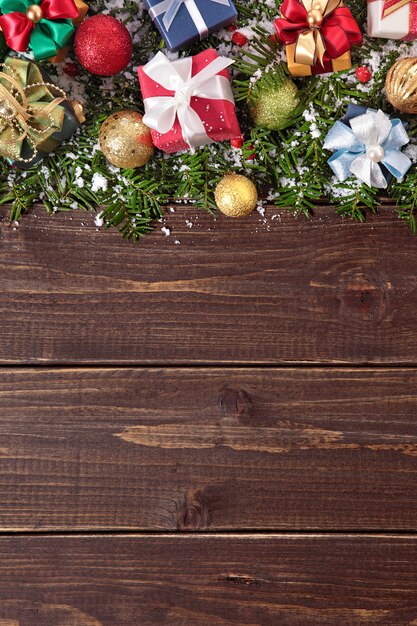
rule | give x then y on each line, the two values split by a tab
391	7
20	119
310	45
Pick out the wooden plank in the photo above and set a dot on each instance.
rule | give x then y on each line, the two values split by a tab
208	448
233	291
196	580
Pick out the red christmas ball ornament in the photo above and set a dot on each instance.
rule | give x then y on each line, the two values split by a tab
239	38
236	142
232	27
103	45
363	74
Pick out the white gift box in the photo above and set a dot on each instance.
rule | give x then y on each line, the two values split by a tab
387	21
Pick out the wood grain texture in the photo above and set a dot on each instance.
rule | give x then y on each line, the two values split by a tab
235	291
208	448
206	580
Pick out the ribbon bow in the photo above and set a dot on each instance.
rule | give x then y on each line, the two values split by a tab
371	141
317	27
44	25
162	111
28	111
170	9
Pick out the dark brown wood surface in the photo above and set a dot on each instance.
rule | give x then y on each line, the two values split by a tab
208	448
124	415
204	580
238	291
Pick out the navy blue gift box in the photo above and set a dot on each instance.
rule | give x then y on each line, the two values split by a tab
182	22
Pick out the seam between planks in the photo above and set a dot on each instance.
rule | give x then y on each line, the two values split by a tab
313	365
204	534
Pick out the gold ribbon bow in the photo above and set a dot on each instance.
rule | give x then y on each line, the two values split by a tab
310	45
28	112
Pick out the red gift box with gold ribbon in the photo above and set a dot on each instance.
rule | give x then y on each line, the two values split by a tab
318	35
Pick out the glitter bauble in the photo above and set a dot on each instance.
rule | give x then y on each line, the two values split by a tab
363	74
273	100
103	45
125	140
401	85
235	195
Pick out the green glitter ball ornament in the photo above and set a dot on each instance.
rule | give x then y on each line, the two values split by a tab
273	100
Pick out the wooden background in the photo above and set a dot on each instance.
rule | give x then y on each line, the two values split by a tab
216	427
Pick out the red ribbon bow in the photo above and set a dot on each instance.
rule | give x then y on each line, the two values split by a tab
333	33
17	27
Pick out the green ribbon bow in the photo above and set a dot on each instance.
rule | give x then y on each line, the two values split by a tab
29	116
46	37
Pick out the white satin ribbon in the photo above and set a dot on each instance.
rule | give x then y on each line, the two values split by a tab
162	111
171	7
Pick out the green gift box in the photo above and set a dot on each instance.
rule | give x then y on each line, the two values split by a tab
35	115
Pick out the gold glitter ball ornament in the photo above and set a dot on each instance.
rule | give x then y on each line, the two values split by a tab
235	195
401	85
125	141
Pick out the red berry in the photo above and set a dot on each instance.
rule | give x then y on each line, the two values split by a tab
251	156
363	74
71	69
239	38
232	27
236	142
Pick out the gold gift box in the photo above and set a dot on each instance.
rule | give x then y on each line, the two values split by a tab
344	62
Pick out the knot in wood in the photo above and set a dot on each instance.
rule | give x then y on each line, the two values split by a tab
235	402
193	513
366	298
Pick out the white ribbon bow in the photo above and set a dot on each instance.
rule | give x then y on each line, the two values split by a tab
171	7
162	111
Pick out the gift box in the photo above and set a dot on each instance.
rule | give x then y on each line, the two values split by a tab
182	22
317	35
188	102
392	19
343	62
43	26
82	12
35	116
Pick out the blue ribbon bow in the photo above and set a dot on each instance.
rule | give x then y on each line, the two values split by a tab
371	141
